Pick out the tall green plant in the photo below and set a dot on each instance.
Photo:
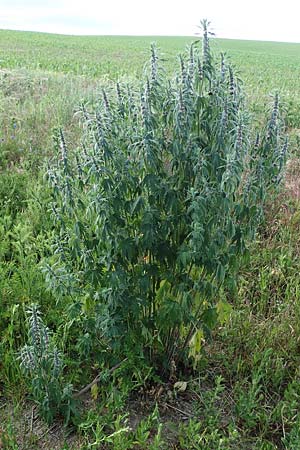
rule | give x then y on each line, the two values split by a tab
154	212
42	362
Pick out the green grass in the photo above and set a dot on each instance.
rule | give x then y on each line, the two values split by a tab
114	56
44	77
246	395
264	65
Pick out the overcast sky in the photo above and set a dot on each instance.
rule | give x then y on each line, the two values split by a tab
275	20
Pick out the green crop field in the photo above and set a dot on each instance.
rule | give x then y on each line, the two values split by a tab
238	385
264	66
44	77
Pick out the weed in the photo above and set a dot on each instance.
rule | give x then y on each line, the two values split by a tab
254	349
42	361
154	214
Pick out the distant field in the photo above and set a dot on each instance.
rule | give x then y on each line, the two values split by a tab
43	78
118	55
264	66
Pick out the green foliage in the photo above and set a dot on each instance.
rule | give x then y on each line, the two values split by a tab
204	430
7	437
153	213
13	192
249	399
42	362
256	402
111	430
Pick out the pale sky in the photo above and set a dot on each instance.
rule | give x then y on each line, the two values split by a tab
274	20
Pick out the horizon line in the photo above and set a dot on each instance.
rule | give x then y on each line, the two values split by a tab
146	35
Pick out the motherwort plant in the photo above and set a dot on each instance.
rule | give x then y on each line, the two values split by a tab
153	213
42	363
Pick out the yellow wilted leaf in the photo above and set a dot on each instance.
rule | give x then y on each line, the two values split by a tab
195	346
180	386
224	310
94	391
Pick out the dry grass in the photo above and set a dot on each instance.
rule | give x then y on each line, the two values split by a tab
292	179
30	432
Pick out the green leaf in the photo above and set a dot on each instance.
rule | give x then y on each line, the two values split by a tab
94	391
195	346
224	311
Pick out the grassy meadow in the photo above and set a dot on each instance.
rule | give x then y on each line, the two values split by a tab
245	394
